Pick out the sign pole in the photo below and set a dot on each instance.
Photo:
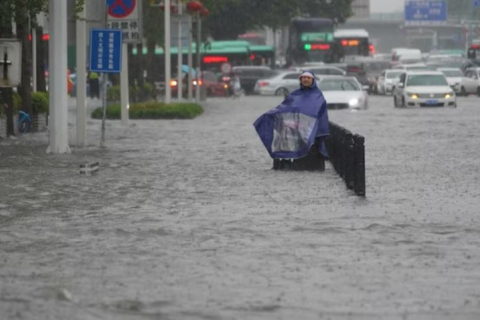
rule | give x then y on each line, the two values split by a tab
104	105
124	95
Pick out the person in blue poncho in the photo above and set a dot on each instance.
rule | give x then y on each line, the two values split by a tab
290	130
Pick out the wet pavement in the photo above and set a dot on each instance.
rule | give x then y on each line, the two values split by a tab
186	220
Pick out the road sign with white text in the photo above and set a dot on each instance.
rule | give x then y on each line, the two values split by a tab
424	12
106	50
125	15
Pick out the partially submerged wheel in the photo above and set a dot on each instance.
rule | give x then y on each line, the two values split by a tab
281	92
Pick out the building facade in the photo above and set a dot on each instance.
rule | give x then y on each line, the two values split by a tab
361	9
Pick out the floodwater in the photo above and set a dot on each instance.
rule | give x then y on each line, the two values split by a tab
186	220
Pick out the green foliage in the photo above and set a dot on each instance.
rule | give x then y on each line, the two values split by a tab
153	110
17	102
149	90
229	18
113	93
40	102
136	93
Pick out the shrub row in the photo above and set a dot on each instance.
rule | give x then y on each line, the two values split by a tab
135	92
152	110
40	103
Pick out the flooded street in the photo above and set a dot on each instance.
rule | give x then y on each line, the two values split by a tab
186	220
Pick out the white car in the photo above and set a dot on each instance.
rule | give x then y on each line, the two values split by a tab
387	81
471	82
423	89
412	67
322	70
343	92
455	78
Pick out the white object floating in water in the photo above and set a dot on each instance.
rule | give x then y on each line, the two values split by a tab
89	168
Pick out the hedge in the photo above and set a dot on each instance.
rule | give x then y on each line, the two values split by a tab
40	103
152	110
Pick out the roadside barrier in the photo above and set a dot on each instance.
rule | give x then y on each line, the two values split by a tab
347	156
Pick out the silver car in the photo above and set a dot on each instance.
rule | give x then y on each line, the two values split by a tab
280	85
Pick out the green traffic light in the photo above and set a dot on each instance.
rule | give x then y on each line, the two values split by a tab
307	47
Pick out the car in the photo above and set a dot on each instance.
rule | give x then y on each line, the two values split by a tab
471	81
367	70
387	81
413	67
281	84
455	78
250	74
423	89
321	70
342	92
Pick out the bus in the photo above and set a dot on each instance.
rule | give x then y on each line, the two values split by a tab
354	42
311	40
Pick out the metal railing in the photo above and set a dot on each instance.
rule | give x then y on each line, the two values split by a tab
347	156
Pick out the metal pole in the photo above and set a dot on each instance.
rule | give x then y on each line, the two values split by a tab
104	105
179	55
167	52
199	43
34	58
190	60
81	78
58	127
124	95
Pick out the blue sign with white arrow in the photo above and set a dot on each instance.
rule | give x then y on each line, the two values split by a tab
476	3
106	50
424	12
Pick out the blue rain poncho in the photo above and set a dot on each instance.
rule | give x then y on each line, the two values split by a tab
289	130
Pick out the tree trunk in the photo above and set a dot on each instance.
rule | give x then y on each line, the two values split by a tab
25	89
6	96
41	60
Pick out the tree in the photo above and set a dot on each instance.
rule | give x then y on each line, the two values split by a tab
229	18
23	13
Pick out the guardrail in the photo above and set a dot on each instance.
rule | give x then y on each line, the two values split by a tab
347	155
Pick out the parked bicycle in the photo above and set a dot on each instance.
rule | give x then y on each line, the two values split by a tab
24	122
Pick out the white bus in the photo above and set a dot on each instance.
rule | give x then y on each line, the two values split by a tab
355	42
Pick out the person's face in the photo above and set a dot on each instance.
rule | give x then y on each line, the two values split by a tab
306	81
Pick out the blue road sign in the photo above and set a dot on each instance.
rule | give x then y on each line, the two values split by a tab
425	12
476	3
106	50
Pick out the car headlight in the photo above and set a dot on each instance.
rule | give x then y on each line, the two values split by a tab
414	96
353	102
448	95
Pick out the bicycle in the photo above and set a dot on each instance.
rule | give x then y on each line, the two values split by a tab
24	122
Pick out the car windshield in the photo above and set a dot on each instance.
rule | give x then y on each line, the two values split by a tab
393	75
339	85
453	73
426	80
